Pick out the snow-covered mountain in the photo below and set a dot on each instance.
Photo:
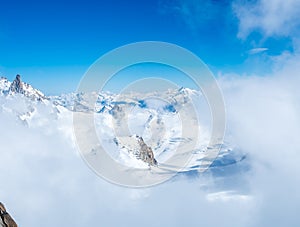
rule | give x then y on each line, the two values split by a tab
154	118
24	102
19	87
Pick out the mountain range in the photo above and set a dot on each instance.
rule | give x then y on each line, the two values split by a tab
153	120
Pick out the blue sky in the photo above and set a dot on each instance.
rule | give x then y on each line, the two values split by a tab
52	43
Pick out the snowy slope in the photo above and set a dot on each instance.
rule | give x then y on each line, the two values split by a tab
4	85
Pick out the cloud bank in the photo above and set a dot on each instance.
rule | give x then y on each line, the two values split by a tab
272	18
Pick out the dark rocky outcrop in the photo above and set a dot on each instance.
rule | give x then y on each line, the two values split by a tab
17	85
5	219
146	153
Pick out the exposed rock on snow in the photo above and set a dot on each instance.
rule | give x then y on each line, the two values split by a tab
17	85
146	153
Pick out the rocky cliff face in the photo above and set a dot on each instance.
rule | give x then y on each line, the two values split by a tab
17	86
6	220
136	147
146	153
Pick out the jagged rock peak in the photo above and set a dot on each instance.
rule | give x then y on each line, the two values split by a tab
17	85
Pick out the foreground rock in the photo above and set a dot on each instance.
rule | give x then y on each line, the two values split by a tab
146	153
136	146
6	220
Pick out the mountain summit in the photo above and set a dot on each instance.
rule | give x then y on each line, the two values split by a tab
19	87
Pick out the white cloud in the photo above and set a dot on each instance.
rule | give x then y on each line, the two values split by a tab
271	17
257	50
45	182
263	118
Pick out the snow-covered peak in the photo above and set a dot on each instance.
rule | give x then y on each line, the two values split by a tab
19	87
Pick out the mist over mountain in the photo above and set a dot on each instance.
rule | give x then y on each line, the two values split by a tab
39	154
32	108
